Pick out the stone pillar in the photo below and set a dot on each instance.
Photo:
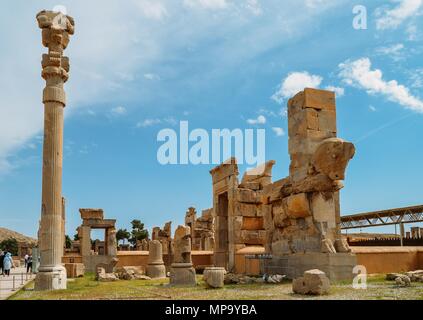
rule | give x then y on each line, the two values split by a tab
110	246
182	271
155	267
56	31
63	226
85	240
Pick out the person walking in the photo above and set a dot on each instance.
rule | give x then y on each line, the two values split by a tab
7	263
29	264
1	261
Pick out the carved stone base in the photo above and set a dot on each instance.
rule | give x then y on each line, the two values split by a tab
182	274
156	271
51	278
337	266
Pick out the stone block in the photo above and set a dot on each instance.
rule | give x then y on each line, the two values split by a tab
314	282
74	270
312	119
182	274
249	237
245	210
247	196
252	223
237	224
224	170
324	209
327	120
297	206
319	99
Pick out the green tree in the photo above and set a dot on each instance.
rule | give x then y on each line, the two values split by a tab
10	245
122	234
76	237
68	242
138	232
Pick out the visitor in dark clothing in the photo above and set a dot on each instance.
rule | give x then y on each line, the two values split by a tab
29	264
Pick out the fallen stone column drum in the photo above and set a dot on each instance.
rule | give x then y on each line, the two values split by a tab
214	276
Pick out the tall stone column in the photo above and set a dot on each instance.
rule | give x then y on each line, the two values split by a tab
56	30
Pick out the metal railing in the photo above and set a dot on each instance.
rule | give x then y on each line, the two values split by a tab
15	281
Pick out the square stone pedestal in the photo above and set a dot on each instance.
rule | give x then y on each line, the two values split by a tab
337	266
182	274
51	278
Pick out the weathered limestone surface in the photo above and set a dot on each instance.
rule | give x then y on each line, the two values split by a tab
102	276
94	219
214	277
296	218
314	282
74	270
156	267
202	229
56	31
182	272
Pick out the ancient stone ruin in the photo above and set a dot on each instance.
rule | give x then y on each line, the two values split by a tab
202	229
156	268
56	31
182	271
103	254
295	219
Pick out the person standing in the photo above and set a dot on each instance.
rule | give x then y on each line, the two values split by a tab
26	260
7	263
1	262
29	264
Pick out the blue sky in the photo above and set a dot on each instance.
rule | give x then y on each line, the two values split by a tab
140	66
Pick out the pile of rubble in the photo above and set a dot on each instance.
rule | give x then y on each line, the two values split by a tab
122	273
405	280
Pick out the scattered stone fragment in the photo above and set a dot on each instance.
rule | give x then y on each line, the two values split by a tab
403	281
102	276
415	276
276	278
392	276
130	273
314	282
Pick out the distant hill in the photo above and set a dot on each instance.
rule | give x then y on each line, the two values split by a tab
6	234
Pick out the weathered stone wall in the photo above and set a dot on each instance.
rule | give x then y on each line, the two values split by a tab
202	229
296	215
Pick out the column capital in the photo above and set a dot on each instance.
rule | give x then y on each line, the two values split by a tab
56	31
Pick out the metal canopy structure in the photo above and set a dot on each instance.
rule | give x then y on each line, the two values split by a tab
383	218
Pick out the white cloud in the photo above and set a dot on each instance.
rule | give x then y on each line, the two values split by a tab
119	111
152	9
278	131
206	4
411	32
359	74
372	108
393	18
338	90
151	76
153	122
255	7
260	120
394	51
294	83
